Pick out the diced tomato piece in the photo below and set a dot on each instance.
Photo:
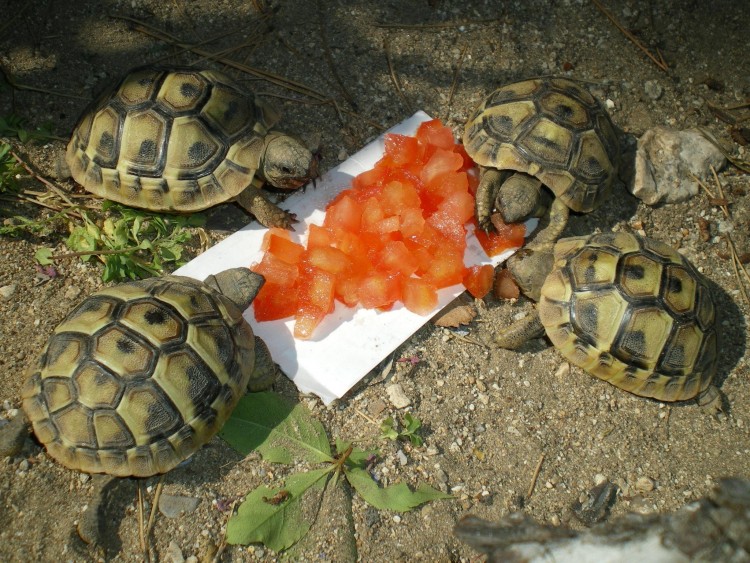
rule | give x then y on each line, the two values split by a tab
306	320
388	225
284	249
468	162
274	232
412	222
440	162
460	205
347	290
451	228
316	288
478	280
374	177
446	268
497	241
402	149
398	196
419	296
275	270
372	214
275	302
379	290
433	132
448	183
327	258
318	236
345	213
352	245
315	301
395	257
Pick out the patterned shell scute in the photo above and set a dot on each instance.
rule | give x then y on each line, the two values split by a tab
553	129
139	376
170	140
634	312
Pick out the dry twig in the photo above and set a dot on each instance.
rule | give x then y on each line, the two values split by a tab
454	83
42	179
18	86
657	61
534	477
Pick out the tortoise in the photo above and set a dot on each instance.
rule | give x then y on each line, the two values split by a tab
140	375
627	309
181	140
543	131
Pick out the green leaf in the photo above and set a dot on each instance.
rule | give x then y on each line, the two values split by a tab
279	526
395	497
280	431
43	256
413	424
386	429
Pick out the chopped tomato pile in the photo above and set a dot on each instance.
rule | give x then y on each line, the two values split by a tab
398	234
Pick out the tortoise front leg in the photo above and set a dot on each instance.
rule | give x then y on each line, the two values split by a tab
268	214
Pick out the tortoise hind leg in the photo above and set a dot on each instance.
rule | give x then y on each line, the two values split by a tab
268	214
520	332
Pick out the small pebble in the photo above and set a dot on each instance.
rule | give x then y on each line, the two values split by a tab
653	89
23	465
72	292
174	553
563	371
644	484
397	519
402	459
599	479
397	397
7	291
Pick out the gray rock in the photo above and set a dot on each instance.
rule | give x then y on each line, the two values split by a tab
666	161
172	506
397	397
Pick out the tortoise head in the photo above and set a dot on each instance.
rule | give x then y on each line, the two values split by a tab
287	163
529	269
240	285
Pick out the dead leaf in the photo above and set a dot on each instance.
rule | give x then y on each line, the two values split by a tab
457	313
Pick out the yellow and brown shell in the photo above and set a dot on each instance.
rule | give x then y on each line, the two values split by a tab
139	376
634	312
178	140
550	128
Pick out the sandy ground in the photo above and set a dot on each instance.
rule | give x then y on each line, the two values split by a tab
490	416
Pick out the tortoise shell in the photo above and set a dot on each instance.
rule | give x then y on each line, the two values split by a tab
552	129
631	311
140	375
170	140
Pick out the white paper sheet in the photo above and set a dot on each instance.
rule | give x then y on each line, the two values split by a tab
349	342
